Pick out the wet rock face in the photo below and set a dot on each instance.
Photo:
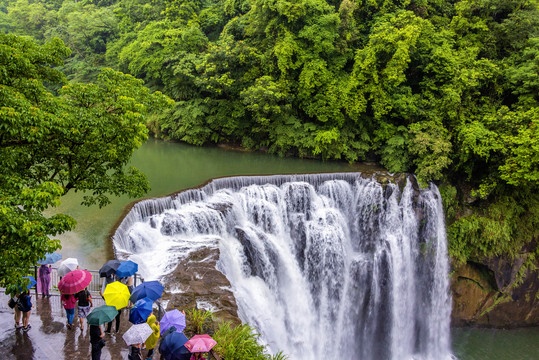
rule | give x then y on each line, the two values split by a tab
484	295
196	283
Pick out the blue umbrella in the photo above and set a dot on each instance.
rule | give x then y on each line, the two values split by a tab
126	268
172	348
140	312
150	289
32	283
172	318
50	258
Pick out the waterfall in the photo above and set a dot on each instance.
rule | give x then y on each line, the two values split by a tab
325	266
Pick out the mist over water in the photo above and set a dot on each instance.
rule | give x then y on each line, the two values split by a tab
330	266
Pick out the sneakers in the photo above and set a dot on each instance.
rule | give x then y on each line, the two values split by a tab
27	328
18	326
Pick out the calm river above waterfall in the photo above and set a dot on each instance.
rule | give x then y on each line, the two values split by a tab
171	167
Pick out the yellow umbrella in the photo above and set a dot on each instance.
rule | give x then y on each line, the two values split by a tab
116	294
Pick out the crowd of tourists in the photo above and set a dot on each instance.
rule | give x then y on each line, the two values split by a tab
119	294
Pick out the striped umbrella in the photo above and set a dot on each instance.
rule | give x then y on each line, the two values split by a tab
75	281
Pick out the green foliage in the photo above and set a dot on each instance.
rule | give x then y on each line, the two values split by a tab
240	343
431	147
80	139
86	29
198	319
498	228
445	89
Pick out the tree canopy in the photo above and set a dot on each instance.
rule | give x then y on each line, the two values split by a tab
445	89
79	137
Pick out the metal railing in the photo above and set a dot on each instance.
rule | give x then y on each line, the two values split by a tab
94	287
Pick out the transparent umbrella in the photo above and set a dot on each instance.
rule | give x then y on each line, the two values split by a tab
67	265
137	334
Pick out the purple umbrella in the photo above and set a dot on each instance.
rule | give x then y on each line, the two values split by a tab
172	318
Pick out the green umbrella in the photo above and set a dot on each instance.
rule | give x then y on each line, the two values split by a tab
101	315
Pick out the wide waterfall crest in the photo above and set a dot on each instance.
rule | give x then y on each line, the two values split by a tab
325	266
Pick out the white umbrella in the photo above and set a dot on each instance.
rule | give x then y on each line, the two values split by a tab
137	334
67	265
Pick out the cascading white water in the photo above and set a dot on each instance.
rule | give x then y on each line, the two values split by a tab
330	266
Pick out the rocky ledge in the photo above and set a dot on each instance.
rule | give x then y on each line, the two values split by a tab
492	293
196	283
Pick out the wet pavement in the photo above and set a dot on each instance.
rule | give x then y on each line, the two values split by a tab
49	337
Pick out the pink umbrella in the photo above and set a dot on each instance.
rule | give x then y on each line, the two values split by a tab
200	343
75	281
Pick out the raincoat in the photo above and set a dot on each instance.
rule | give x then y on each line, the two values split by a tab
152	340
44	278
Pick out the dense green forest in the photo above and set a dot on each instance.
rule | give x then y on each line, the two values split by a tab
445	89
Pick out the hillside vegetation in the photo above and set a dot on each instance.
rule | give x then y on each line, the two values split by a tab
445	89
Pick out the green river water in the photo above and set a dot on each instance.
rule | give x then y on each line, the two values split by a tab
171	167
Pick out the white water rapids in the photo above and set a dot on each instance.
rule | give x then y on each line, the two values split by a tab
327	266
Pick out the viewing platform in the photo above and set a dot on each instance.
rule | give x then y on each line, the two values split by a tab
49	338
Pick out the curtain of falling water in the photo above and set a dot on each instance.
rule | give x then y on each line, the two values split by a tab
329	266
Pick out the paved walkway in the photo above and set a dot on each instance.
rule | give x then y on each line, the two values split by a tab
49	338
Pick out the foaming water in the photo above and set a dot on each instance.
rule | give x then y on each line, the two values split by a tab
324	266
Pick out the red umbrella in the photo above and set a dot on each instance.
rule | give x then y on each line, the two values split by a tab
75	281
200	343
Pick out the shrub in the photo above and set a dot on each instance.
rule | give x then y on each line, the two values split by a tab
241	343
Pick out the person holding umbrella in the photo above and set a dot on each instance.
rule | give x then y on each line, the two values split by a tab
200	344
116	294
151	342
107	271
66	266
85	303
135	337
72	283
198	356
96	341
134	352
174	318
97	317
45	271
24	303
18	314
25	306
172	346
150	289
69	301
45	279
109	279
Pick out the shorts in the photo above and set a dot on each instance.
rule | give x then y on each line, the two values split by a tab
83	311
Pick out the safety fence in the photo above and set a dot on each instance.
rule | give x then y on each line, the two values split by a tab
94	287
